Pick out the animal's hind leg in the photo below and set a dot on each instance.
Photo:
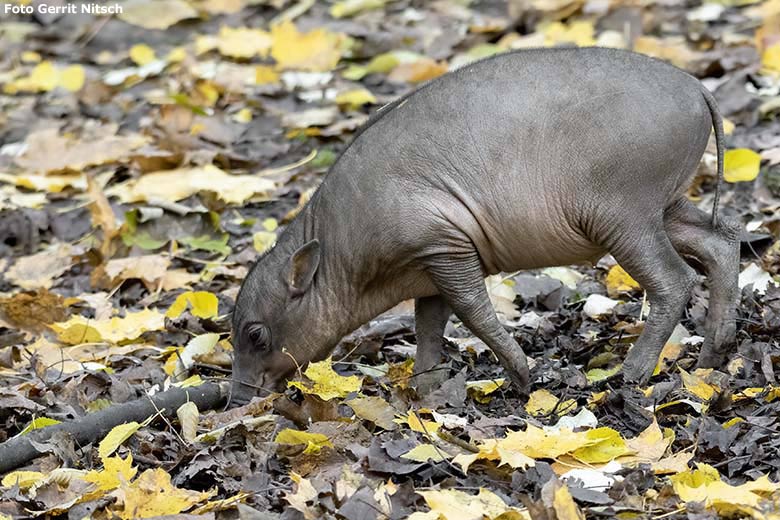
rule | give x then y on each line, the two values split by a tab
716	250
649	257
460	281
431	315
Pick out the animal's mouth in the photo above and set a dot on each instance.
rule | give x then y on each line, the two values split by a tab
244	391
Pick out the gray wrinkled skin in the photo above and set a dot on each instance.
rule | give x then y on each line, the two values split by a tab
529	159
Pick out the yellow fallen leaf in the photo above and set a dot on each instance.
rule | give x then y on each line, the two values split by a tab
314	441
564	505
45	77
223	504
770	59
265	75
263	241
243	116
480	390
673	348
176	55
327	384
354	99
619	281
190	382
741	165
152	494
79	329
316	51
452	504
426	452
542	402
50	183
116	470
30	57
175	185
704	485
519	449
270	224
579	32
604	445
142	54
380	64
115	438
417	423
241	42
72	78
345	8
697	386
23	479
38	423
201	304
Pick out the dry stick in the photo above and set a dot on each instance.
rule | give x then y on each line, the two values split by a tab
84	430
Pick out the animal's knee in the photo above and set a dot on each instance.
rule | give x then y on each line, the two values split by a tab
729	229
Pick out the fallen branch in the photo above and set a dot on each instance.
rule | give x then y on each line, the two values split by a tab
20	450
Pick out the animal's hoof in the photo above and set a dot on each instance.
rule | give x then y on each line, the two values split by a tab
429	381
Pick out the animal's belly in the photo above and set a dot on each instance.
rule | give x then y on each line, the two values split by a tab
529	249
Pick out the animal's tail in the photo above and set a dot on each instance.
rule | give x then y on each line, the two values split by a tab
717	124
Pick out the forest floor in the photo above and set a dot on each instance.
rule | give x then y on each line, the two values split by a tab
148	158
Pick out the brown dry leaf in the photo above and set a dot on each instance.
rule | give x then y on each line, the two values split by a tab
220	6
239	42
178	279
176	185
102	216
650	445
41	269
421	70
374	409
156	14
49	152
189	416
33	310
150	269
674	50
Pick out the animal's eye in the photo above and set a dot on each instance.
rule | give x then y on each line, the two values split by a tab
258	335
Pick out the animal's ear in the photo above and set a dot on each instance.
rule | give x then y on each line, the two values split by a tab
303	266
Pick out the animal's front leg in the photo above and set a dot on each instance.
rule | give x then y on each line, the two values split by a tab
431	315
459	279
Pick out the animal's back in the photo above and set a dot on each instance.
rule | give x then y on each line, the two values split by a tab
529	152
